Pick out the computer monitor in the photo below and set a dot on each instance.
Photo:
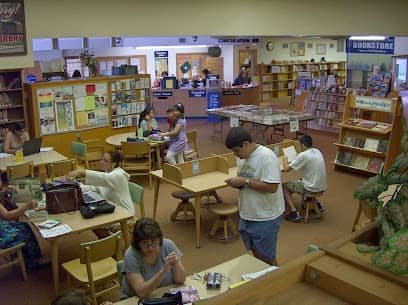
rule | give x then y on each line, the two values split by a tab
168	82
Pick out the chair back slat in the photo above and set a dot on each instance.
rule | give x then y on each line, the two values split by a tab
136	194
100	249
60	168
20	170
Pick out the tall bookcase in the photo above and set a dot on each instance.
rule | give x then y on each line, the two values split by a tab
12	100
333	72
370	134
328	108
276	81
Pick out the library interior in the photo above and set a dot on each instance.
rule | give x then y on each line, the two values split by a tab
144	156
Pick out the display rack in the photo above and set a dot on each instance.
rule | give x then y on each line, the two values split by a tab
12	100
370	134
328	108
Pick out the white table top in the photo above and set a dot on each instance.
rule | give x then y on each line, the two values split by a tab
38	159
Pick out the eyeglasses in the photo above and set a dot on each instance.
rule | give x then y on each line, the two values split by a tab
154	244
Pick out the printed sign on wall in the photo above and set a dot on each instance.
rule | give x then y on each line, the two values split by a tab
371	46
12	28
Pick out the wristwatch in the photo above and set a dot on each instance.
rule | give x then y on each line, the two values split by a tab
246	184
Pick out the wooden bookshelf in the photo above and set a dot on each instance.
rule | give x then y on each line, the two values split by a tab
370	134
276	81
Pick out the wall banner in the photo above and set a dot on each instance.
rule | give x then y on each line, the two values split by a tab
12	28
371	46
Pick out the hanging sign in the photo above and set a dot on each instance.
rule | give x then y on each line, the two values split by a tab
372	103
12	28
293	124
371	46
161	53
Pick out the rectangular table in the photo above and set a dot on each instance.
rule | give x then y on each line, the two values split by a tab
232	270
38	159
79	224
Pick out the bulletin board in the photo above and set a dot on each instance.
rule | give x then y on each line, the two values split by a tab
198	62
72	107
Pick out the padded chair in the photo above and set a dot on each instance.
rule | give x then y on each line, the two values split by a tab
60	168
20	170
10	258
95	267
192	152
78	150
137	159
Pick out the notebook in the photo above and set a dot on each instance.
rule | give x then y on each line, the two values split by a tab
32	146
92	197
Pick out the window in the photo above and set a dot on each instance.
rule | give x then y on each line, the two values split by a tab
42	44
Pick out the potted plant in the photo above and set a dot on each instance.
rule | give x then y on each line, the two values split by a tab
89	60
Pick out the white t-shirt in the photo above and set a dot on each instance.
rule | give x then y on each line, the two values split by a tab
261	165
113	186
310	164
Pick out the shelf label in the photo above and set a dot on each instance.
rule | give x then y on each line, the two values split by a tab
197	93
293	124
373	103
234	122
231	92
162	93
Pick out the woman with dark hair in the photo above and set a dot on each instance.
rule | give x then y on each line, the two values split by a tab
178	138
15	138
147	121
150	262
112	183
76	74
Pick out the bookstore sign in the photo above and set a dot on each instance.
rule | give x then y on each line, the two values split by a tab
372	103
12	28
371	46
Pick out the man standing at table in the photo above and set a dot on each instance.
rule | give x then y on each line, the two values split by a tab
260	201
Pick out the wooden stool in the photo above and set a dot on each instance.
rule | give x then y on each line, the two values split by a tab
224	221
206	201
185	210
310	202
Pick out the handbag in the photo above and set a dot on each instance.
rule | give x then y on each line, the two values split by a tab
166	299
63	197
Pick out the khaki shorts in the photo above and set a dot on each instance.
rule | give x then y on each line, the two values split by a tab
294	187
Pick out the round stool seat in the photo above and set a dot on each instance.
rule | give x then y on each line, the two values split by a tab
185	210
224	228
313	195
224	209
182	195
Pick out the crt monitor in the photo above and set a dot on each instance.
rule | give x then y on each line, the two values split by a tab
168	82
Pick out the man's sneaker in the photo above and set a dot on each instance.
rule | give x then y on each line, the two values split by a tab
293	216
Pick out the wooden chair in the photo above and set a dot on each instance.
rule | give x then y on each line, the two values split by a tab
185	211
11	260
87	155
20	170
94	153
224	222
136	194
137	159
60	168
78	150
95	267
192	152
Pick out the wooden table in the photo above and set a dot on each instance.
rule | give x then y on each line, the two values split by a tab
232	270
117	139
38	159
79	224
197	185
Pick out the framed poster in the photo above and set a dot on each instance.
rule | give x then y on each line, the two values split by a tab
12	28
320	49
297	49
64	115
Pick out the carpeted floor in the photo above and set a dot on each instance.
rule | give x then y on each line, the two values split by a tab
293	237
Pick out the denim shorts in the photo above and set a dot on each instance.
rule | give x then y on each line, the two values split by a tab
261	236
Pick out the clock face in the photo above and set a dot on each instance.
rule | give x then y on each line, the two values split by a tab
269	45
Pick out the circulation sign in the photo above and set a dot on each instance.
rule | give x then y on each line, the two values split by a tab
371	46
197	93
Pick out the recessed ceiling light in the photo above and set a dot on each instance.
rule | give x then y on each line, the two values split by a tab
371	37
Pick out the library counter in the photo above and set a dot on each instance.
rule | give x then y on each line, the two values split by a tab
195	99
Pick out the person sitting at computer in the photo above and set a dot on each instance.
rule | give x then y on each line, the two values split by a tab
206	74
150	262
111	184
147	121
243	78
15	138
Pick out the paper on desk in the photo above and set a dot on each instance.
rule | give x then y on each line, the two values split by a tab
46	148
254	275
56	231
290	152
4	155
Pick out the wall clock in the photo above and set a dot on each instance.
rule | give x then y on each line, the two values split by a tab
269	45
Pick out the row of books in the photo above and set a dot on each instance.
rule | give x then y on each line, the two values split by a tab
371	144
125	121
375	126
374	165
326	106
326	122
327	114
3	116
129	84
128	108
5	100
324	97
128	96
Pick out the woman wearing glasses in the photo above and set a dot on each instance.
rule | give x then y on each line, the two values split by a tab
150	262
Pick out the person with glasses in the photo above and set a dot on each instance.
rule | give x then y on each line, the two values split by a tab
111	183
150	262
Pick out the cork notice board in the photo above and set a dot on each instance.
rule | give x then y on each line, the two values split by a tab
198	62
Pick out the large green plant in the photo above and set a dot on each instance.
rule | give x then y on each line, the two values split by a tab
392	220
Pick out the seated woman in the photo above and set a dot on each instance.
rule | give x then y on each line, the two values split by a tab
15	138
14	232
150	262
147	121
112	183
243	78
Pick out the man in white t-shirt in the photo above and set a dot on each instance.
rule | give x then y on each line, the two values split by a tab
260	201
310	163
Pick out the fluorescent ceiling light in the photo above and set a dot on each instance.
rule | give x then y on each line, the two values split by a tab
171	47
367	38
